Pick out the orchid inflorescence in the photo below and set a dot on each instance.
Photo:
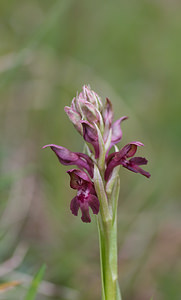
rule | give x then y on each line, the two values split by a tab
94	121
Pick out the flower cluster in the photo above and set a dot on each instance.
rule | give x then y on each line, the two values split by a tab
94	121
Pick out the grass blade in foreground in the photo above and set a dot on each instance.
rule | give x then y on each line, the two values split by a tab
35	283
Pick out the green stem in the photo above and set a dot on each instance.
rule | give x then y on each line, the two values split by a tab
110	278
107	226
102	258
108	250
108	259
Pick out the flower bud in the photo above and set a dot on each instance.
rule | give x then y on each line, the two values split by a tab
74	117
92	97
89	111
90	136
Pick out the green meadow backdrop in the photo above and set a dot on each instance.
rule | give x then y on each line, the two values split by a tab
129	51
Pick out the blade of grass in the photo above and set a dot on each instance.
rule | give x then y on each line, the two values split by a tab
31	294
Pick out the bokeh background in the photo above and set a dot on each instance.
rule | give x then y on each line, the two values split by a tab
129	51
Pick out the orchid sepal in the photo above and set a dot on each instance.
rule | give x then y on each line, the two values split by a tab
67	157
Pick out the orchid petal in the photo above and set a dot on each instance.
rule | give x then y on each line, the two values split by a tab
138	160
74	206
133	148
108	113
136	169
116	131
93	203
120	158
85	213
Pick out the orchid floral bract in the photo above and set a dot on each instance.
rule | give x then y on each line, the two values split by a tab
97	179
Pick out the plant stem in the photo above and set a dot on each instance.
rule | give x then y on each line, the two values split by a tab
108	254
108	250
107	227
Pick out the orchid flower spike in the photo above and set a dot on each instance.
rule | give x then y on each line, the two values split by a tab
94	122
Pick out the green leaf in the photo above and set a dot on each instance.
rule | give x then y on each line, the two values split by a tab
31	294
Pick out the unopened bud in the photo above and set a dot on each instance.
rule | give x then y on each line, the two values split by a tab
74	117
92	97
89	111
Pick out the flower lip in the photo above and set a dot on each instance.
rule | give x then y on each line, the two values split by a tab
86	196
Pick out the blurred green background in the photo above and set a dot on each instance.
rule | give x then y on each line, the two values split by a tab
129	51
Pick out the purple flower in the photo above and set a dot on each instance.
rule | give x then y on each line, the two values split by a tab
89	111
66	157
91	96
86	195
116	131
108	114
90	136
94	121
85	106
121	158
